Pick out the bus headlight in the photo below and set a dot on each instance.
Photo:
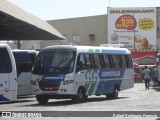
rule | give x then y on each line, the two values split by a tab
33	82
67	82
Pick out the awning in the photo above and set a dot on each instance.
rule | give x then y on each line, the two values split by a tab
136	55
16	24
147	60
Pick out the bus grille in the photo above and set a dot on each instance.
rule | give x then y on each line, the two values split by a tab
54	86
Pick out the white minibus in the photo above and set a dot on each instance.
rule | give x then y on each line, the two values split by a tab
76	72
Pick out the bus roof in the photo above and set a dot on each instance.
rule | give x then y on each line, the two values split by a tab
24	51
4	45
90	49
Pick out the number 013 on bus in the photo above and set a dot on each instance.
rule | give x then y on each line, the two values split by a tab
76	72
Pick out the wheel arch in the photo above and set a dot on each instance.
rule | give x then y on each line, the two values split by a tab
82	87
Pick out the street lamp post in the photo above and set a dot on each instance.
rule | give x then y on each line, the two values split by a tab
134	46
18	44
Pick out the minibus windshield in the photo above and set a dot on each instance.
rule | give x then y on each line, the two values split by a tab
54	62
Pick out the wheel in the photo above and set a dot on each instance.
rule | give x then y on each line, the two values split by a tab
81	95
113	95
42	99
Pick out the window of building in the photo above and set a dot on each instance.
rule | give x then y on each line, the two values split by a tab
76	38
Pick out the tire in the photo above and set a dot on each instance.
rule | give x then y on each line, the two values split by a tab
42	99
81	95
113	95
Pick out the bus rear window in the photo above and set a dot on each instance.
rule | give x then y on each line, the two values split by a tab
24	61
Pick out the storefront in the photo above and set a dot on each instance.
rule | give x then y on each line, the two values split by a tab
144	57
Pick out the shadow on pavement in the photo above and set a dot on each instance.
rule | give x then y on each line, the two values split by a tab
70	102
25	96
18	101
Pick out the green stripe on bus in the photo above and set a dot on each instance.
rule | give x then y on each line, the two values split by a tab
97	50
92	88
90	50
87	86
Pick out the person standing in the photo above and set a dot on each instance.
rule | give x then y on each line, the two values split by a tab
146	72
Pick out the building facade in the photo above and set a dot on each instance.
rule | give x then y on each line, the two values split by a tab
83	31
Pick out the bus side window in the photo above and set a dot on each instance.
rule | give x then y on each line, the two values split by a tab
33	58
107	61
24	61
97	61
88	61
124	62
120	61
80	62
129	61
116	61
102	61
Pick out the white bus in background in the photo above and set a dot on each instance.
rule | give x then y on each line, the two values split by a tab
24	61
8	75
76	72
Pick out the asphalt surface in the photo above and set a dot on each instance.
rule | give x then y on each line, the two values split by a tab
134	100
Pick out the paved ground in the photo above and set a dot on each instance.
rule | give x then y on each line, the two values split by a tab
134	99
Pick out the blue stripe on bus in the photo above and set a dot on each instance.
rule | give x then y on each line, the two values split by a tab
53	78
107	86
2	98
114	51
110	73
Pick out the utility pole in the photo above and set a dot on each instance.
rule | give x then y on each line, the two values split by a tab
18	44
134	47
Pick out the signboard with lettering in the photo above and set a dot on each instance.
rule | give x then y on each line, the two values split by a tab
133	27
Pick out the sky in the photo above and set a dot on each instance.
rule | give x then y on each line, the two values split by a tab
63	9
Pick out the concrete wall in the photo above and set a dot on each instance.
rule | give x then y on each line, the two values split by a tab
90	30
